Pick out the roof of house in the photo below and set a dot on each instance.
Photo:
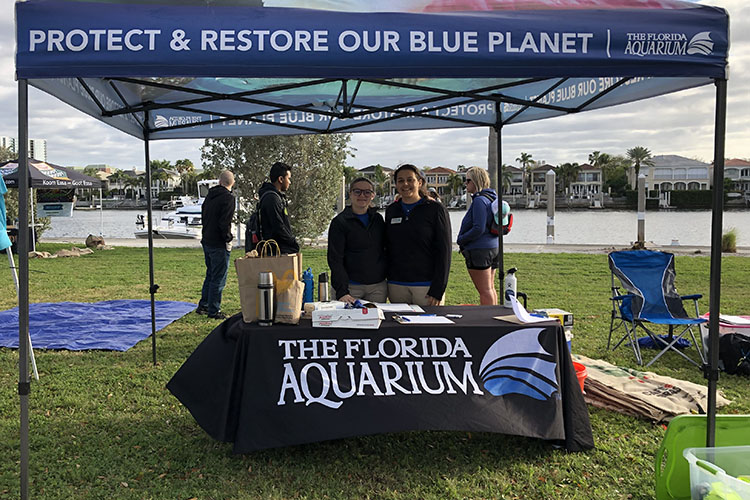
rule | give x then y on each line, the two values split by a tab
676	161
736	162
439	170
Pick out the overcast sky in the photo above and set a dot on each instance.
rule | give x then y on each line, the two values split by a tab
681	124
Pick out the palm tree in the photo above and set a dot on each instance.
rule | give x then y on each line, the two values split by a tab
567	173
380	179
455	183
131	183
507	177
639	156
116	178
526	164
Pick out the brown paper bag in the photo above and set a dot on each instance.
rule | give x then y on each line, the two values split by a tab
288	299
249	267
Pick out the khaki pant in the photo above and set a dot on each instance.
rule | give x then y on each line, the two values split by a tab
410	294
377	292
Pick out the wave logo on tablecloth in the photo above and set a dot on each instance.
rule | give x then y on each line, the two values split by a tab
518	364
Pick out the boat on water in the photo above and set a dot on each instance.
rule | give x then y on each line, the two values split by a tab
182	223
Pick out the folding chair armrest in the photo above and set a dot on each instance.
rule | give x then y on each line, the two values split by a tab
620	297
692	297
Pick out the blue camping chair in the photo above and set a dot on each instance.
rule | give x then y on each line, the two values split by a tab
651	299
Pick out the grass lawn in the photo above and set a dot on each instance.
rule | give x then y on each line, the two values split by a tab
104	426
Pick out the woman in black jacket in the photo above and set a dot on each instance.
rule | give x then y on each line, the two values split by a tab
356	253
418	242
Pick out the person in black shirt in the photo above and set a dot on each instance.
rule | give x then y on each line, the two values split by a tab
418	242
356	253
274	217
216	216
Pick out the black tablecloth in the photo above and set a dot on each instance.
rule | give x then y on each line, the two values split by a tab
265	387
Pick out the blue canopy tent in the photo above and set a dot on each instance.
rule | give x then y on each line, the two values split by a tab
162	69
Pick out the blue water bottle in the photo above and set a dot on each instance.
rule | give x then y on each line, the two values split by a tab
307	279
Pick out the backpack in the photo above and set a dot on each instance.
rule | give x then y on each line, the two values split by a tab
494	220
253	230
734	352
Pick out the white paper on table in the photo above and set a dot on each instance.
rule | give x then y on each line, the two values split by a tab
426	320
522	314
399	307
734	320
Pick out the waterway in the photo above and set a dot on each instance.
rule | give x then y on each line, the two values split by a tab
593	226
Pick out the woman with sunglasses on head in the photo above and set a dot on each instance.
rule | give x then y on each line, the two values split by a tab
418	242
477	244
356	254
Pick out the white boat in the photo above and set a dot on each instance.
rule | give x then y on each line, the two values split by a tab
183	223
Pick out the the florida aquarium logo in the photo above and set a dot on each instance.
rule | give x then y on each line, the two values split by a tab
668	44
518	364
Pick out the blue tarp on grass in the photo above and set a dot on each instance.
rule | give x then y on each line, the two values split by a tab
115	325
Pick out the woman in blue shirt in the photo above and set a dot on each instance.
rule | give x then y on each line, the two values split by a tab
477	244
418	242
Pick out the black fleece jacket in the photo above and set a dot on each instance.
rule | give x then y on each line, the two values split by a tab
419	245
216	216
274	219
355	252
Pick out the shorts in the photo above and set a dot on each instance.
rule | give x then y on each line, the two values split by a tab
480	258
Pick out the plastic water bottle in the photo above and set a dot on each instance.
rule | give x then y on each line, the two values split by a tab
308	279
509	286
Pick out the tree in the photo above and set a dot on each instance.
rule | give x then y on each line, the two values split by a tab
186	169
567	173
526	165
350	173
507	177
380	179
455	183
133	182
639	156
157	164
116	178
317	166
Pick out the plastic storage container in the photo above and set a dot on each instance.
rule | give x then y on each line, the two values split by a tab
719	473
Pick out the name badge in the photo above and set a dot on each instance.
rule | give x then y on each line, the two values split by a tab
396	220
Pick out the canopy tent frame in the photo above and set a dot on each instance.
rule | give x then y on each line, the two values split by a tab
469	97
351	105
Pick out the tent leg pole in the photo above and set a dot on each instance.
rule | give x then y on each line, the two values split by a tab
152	287
33	222
24	383
498	167
101	212
712	372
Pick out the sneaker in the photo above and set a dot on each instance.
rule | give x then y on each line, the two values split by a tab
201	310
218	315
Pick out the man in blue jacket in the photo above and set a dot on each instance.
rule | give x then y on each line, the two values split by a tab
216	214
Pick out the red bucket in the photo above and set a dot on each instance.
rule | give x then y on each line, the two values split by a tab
580	373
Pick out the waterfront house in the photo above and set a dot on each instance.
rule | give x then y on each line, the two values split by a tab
438	178
675	173
738	171
588	182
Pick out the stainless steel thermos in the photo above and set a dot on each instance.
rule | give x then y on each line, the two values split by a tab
323	288
265	299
